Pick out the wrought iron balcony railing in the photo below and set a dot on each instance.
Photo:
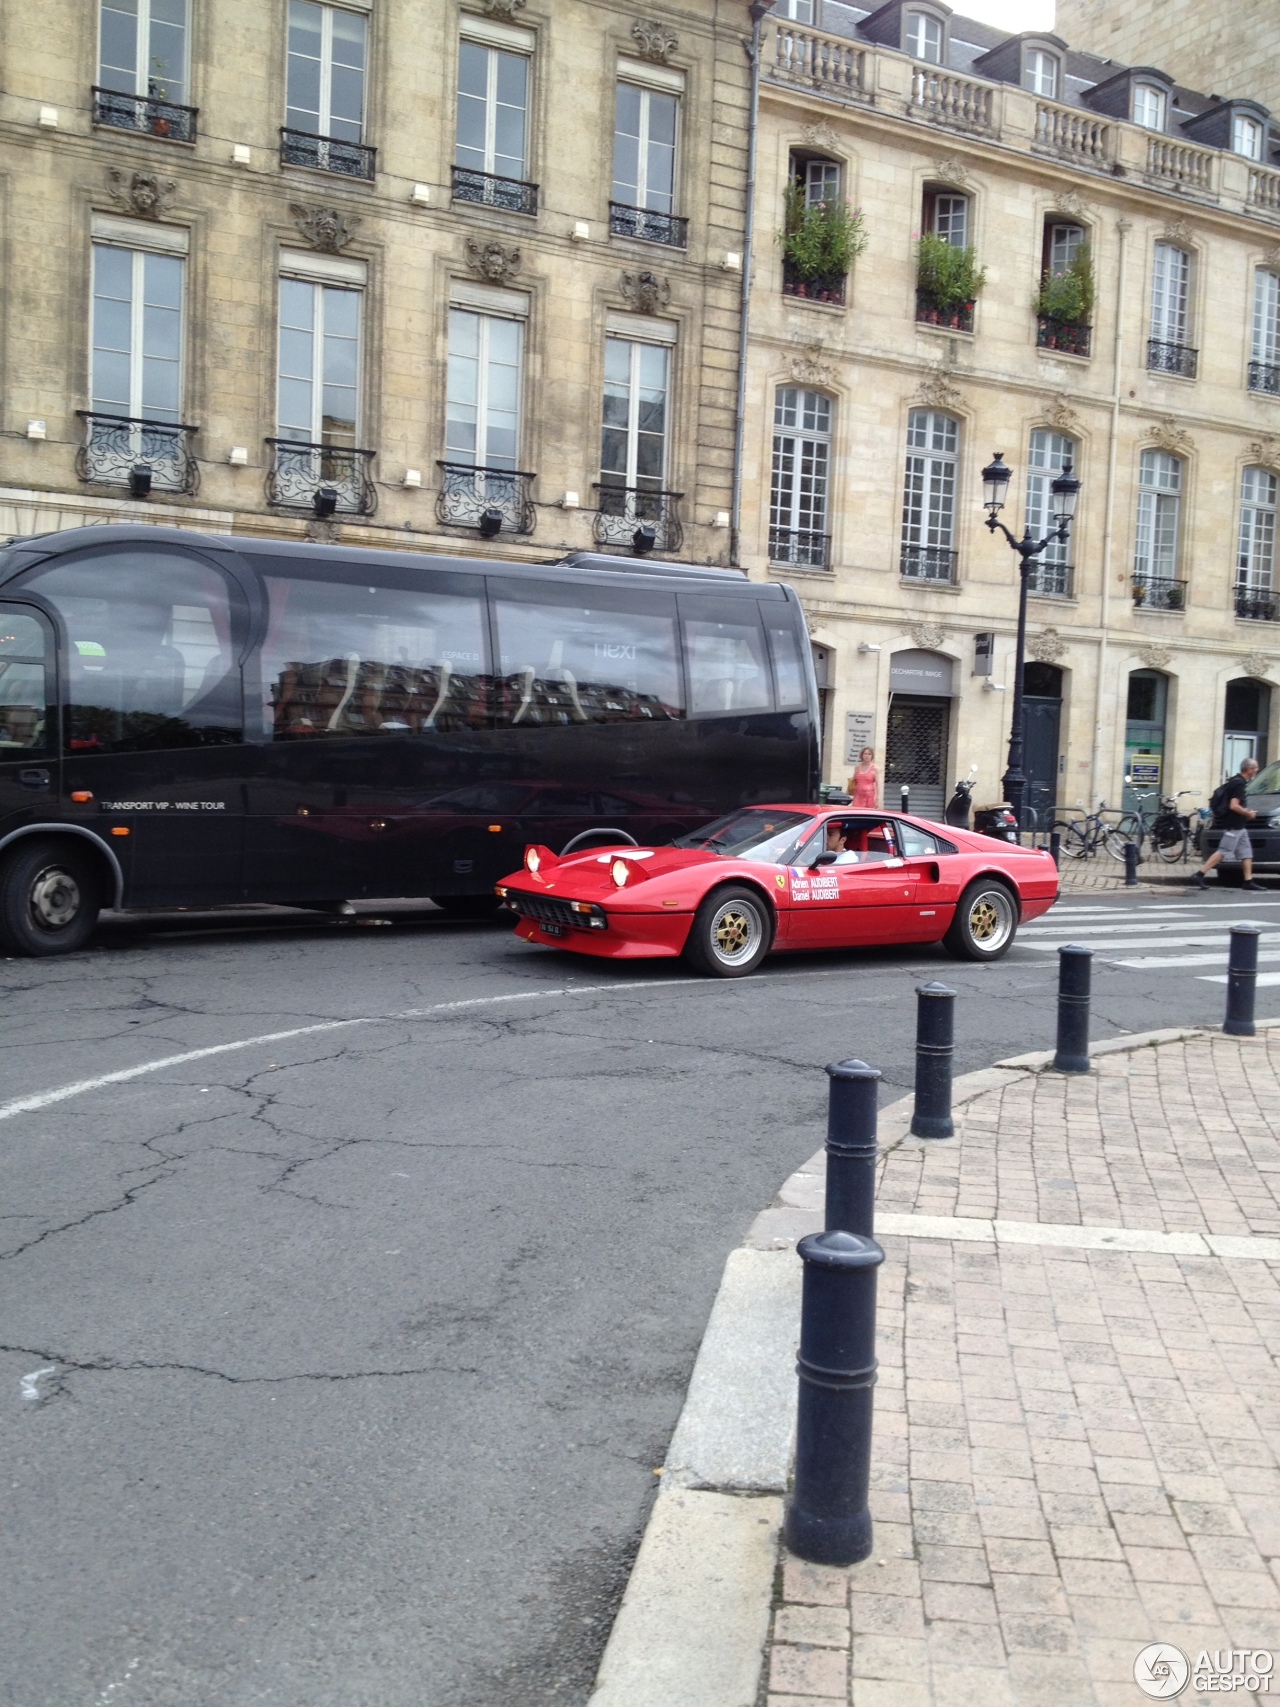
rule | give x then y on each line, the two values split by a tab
146	114
1051	580
1265	376
116	447
813	290
1171	358
299	471
490	190
800	548
928	563
1159	592
1069	337
469	495
326	154
956	318
1256	605
648	225
623	511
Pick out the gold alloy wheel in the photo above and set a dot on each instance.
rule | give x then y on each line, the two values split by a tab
735	931
990	919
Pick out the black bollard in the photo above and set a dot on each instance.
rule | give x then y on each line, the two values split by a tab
935	1043
1242	981
1131	865
906	798
1055	846
828	1521
851	1147
1074	974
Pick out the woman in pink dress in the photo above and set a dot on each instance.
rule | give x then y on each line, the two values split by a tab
864	784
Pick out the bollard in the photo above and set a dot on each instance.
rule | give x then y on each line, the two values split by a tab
851	1147
1242	981
935	1043
1074	972
827	1520
906	798
1055	846
1131	865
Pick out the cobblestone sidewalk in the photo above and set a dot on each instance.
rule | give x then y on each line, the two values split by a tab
1076	1449
1103	872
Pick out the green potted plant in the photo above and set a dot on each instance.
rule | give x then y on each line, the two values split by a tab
820	242
1067	299
948	280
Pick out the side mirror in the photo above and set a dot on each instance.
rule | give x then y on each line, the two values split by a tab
824	858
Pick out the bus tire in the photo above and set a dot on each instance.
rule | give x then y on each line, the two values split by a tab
985	922
50	894
730	934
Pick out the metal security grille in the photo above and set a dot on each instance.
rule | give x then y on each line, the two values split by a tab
916	754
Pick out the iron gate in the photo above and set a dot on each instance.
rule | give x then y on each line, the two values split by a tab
916	753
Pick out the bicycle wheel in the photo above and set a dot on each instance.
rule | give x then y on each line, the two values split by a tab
1073	843
1175	848
1128	829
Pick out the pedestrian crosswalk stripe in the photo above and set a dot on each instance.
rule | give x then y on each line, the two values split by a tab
1124	945
1264	978
1142	962
1168	926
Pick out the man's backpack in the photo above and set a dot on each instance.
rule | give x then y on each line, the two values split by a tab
1220	799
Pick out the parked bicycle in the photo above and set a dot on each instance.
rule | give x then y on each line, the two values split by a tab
1082	837
1169	831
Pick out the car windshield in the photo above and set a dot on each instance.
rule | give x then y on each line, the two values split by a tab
1267	781
753	834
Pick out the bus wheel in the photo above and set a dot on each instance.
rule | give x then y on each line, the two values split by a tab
49	898
468	906
730	933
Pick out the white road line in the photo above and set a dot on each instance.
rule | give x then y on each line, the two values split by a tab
1067	1235
1169	927
1144	961
1124	945
1264	978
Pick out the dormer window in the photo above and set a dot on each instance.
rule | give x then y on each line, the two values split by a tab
1246	137
1040	73
923	37
1149	106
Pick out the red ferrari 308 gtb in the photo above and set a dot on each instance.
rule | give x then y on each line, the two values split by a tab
784	877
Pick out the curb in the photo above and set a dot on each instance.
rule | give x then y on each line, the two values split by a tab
694	1620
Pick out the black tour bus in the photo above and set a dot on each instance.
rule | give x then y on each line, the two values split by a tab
199	720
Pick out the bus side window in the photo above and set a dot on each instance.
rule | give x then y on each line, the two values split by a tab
24	683
151	650
788	671
346	659
562	664
728	670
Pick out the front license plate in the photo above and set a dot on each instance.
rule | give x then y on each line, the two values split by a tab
551	930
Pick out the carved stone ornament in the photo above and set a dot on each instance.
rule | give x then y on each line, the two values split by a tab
819	136
1266	451
502	8
325	228
655	41
1061	416
935	391
952	170
1073	204
808	366
1178	231
646	292
1049	647
142	193
1256	664
1168	435
1155	657
1272	259
928	636
492	260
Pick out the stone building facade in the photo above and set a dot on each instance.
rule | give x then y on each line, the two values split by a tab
1231	50
270	268
1153	639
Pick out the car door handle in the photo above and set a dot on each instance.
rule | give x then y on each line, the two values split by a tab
34	778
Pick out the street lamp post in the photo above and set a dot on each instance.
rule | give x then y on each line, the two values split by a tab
1066	492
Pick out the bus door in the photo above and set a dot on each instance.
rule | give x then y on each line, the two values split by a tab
28	718
373	704
153	725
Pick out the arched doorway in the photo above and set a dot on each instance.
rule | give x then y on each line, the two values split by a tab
1247	715
1042	732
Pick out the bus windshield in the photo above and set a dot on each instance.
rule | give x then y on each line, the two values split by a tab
755	833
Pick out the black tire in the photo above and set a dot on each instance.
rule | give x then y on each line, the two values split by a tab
985	922
1072	841
468	906
50	894
730	934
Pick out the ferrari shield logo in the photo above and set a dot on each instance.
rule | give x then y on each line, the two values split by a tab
781	881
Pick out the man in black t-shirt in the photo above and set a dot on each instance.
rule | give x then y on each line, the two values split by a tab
1233	817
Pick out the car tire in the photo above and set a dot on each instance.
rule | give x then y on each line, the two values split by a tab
50	894
468	906
730	934
985	922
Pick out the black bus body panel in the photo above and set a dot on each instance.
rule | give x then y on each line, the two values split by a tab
276	810
29	755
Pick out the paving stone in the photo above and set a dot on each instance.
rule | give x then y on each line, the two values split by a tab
823	1672
817	1626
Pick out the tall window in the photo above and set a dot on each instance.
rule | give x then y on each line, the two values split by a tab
644	148
1040	73
1255	565
1264	349
924	37
801	466
325	88
821	179
1155	562
142	47
319	373
1246	137
137	334
1169	345
946	215
929	496
482	408
493	100
1047	455
633	447
1061	248
1149	106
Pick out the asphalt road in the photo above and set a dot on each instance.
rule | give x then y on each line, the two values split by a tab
335	1368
